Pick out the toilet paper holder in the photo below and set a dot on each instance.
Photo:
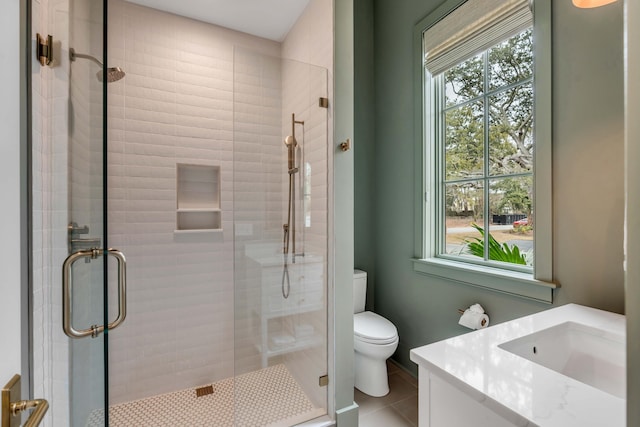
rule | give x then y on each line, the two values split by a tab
482	322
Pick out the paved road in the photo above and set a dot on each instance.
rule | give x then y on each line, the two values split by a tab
457	230
524	245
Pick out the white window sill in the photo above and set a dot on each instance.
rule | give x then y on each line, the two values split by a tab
508	282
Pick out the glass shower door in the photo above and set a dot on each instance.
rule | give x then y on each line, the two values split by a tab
85	271
280	227
68	268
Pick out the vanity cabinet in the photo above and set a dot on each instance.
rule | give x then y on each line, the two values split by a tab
440	404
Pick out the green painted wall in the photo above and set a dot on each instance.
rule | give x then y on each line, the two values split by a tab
588	173
364	144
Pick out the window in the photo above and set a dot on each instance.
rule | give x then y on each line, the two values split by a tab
486	219
484	147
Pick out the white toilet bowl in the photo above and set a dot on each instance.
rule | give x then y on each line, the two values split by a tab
375	339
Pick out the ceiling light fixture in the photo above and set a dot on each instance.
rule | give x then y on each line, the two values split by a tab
591	3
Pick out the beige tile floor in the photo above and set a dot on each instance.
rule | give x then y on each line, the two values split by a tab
269	397
399	408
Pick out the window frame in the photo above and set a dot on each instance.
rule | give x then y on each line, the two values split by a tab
538	284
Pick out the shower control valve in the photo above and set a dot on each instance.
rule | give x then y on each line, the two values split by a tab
75	229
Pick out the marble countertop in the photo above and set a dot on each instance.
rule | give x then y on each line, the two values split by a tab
518	389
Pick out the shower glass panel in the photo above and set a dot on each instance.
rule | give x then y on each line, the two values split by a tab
280	287
85	176
68	180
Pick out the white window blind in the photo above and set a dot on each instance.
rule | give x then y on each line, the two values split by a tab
473	27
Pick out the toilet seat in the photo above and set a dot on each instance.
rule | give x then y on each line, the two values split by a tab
372	328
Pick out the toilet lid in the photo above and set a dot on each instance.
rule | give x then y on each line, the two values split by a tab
373	328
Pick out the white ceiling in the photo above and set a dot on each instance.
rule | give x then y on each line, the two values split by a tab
271	19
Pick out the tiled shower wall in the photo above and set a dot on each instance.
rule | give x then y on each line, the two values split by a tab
49	195
259	173
175	105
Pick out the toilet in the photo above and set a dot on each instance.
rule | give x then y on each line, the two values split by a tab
375	339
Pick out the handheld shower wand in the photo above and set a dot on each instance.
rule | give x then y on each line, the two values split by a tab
289	228
292	144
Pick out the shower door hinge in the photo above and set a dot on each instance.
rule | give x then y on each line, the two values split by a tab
323	381
323	102
44	49
345	145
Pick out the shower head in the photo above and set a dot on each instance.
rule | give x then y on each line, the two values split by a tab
113	73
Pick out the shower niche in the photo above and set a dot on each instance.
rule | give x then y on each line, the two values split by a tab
198	198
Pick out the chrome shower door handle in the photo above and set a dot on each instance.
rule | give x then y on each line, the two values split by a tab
67	285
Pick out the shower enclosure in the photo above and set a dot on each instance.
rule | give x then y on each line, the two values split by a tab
168	188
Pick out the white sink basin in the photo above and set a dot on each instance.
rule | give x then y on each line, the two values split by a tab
586	354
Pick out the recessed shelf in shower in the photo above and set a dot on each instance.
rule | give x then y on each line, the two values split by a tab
198	198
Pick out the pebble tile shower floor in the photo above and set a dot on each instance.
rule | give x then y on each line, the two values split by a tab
268	397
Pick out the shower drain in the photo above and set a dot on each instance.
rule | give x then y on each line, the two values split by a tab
203	391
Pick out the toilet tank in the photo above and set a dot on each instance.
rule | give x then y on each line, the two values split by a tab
359	290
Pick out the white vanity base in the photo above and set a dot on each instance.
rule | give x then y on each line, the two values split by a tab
442	405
